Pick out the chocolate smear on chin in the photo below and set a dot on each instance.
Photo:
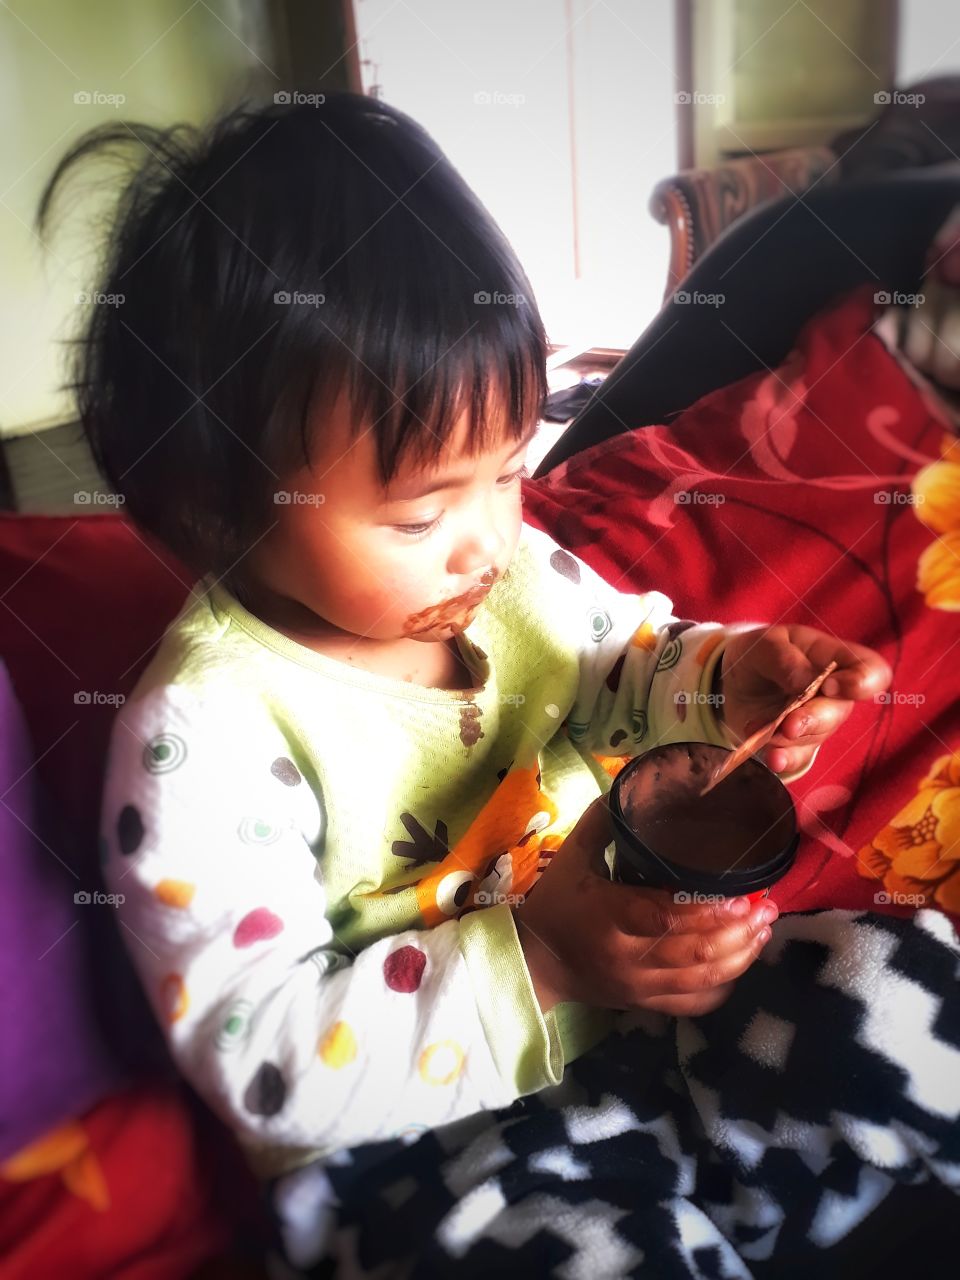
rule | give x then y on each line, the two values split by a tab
454	612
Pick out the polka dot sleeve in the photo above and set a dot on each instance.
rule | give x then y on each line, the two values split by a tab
646	675
217	842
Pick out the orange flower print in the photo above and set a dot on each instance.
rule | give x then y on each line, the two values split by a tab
66	1151
936	490
917	854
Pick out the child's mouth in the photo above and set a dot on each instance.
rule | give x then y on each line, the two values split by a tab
454	613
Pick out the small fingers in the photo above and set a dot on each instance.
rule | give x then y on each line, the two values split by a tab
813	721
863	678
658	913
691	979
791	748
792	760
709	946
861	672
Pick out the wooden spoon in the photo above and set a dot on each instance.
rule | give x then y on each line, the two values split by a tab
751	745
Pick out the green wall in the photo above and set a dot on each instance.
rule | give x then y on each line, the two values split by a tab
171	60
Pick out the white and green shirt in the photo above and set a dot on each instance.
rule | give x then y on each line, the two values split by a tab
319	863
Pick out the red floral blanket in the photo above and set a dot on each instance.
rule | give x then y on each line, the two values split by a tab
825	492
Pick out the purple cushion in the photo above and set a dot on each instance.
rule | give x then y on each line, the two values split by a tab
54	1060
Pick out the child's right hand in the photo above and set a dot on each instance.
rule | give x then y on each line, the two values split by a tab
616	946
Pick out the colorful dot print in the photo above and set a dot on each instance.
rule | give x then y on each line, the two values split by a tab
257	926
174	998
600	624
565	565
129	829
258	831
236	1027
338	1048
670	655
403	969
267	1092
441	1063
164	753
175	893
286	771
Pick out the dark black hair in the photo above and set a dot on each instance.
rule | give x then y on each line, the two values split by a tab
258	266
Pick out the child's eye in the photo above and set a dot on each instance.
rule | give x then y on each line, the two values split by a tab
419	530
424	530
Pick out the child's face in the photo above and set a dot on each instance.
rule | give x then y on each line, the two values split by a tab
390	563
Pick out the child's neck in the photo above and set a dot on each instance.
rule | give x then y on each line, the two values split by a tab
435	664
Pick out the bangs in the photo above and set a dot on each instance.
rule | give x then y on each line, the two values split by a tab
413	397
415	305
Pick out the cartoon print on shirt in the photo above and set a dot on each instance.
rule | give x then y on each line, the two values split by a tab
496	882
501	846
421	847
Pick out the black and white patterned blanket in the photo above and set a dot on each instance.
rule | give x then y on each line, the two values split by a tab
680	1147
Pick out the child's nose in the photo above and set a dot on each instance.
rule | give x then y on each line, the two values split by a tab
477	550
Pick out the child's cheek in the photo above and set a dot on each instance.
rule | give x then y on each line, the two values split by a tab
377	601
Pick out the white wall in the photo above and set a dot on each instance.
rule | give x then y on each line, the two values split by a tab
436	59
168	61
929	39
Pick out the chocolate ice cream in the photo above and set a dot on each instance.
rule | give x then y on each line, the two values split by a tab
739	837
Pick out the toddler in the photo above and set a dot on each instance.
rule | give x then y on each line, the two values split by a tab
352	804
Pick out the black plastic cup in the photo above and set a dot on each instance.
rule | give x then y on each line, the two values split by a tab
736	841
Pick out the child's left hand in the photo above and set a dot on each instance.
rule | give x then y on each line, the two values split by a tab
762	670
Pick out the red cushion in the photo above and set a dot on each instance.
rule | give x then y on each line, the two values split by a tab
85	601
786	497
133	1190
